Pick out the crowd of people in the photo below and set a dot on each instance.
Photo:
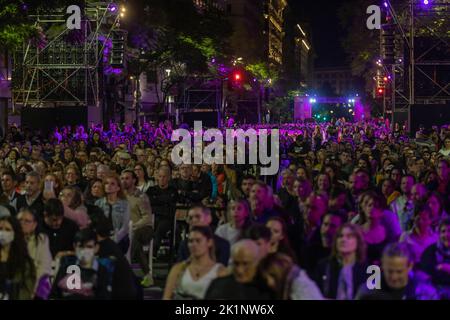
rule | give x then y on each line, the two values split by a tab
80	206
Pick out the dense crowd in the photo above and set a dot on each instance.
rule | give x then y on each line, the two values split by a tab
80	206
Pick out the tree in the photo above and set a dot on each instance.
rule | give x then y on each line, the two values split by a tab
174	36
361	44
15	25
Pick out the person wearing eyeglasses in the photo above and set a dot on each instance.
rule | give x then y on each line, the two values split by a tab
38	247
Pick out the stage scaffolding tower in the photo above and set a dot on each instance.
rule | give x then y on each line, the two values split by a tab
420	72
64	67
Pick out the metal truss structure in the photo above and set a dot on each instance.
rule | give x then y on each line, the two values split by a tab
63	68
420	73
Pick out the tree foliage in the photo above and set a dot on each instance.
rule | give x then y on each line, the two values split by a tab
16	26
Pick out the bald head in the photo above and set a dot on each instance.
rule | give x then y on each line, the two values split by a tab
245	256
247	246
163	177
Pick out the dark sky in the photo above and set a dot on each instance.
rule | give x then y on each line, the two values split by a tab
326	31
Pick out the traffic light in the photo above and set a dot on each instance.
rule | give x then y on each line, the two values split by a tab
235	79
388	44
118	40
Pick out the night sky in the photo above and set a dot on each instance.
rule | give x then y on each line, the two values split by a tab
326	31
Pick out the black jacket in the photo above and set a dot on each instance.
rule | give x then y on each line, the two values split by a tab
201	188
37	206
163	201
62	238
183	189
101	280
414	290
124	281
227	288
428	264
312	253
327	276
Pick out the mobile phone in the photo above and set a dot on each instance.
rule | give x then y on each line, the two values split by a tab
48	185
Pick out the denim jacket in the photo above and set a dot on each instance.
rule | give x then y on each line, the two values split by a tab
120	216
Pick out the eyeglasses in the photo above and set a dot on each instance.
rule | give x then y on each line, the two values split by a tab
26	221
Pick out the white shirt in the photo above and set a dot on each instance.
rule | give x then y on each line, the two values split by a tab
197	288
229	233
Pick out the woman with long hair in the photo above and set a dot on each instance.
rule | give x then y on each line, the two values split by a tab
94	191
11	159
191	278
436	204
375	230
340	275
286	279
323	184
302	173
143	182
279	241
37	244
238	220
422	234
116	208
388	191
74	209
320	162
17	271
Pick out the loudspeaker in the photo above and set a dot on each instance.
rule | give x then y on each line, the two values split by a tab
46	119
209	119
428	115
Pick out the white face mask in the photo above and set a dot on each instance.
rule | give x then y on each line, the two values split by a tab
85	255
6	237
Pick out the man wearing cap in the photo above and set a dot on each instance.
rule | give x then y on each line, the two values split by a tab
123	159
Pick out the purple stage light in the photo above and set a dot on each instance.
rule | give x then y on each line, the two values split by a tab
113	7
426	2
385	4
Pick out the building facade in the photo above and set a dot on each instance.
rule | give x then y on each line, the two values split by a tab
258	29
303	57
204	5
274	30
337	79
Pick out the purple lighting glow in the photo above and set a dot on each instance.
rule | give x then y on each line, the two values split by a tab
385	4
113	7
426	2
